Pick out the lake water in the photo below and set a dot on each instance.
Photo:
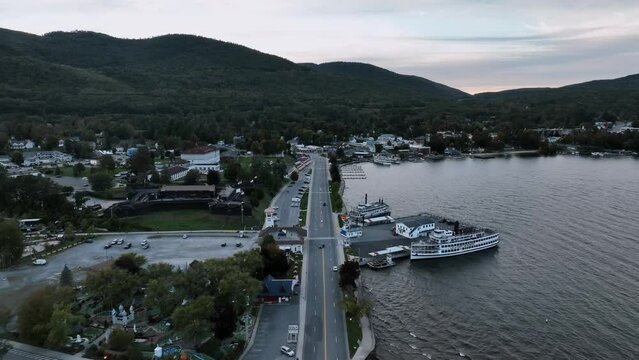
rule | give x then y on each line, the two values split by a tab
563	283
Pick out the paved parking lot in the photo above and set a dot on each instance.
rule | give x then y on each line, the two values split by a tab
272	331
289	215
172	249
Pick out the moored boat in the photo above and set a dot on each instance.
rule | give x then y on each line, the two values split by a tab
445	243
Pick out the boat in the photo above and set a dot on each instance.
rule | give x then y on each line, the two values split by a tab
350	231
381	262
372	210
444	243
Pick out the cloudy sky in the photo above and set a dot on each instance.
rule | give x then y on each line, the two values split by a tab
474	45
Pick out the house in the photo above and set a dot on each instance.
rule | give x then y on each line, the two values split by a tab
177	172
271	217
203	158
21	144
415	227
275	289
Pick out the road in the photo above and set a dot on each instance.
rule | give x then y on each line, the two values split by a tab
272	331
324	324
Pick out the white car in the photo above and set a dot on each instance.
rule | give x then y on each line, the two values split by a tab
334	268
287	350
39	262
184	236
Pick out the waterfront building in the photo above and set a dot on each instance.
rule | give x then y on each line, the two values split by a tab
414	228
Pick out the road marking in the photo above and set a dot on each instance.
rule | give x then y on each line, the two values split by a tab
324	292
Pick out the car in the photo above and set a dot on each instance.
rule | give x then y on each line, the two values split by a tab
287	351
120	241
128	246
39	262
321	246
223	244
88	241
145	246
114	242
184	236
334	268
238	245
324	204
107	246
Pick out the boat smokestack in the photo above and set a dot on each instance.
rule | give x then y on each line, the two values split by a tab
456	227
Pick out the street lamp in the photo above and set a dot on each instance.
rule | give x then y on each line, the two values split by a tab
242	211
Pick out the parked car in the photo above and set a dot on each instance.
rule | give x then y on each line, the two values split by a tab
107	246
184	236
88	241
334	268
114	241
223	244
128	246
287	350
120	241
39	262
238	245
145	246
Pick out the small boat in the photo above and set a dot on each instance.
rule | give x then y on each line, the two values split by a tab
381	262
413	335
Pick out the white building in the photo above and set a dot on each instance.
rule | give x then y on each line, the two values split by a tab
177	172
41	158
415	227
271	217
203	158
21	144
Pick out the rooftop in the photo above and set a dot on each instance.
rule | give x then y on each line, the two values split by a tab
176	170
417	221
187	188
200	150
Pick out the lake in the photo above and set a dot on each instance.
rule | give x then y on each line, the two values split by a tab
563	283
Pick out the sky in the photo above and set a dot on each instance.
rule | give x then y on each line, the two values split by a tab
473	45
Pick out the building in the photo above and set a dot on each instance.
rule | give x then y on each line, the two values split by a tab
177	172
203	158
21	144
40	158
414	228
271	217
275	289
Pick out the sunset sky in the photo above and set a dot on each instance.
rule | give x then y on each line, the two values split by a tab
478	45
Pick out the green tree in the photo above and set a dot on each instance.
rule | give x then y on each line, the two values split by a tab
80	198
294	176
140	163
130	262
5	317
348	273
191	177
11	243
232	171
120	339
69	232
17	157
107	163
112	286
101	181
237	288
165	177
66	277
162	295
213	178
78	169
60	324
35	313
195	319
155	177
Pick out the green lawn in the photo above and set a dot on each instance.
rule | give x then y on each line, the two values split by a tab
354	334
303	207
336	198
174	220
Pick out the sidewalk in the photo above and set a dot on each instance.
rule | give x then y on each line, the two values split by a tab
367	345
27	351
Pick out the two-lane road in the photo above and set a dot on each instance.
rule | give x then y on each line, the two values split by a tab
325	329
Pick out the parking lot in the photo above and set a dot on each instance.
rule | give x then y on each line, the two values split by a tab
171	249
289	215
273	331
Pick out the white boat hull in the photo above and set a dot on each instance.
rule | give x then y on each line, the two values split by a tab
418	256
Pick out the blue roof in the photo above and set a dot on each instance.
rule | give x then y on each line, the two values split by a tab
276	287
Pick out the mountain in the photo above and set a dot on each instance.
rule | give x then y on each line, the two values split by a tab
617	95
89	73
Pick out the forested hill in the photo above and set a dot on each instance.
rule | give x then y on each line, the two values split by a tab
210	72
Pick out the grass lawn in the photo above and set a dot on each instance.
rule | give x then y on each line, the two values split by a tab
173	220
336	198
354	334
303	207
